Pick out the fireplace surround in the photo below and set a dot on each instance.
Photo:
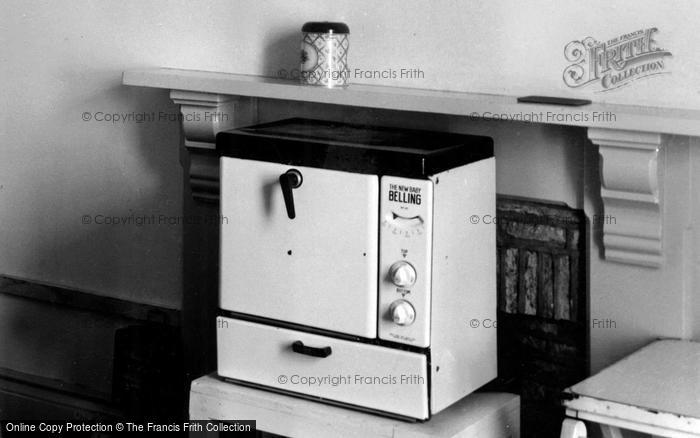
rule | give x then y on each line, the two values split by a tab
632	178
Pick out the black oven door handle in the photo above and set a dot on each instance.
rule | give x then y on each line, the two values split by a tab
289	181
299	347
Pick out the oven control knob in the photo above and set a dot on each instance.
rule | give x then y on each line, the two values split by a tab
402	312
402	274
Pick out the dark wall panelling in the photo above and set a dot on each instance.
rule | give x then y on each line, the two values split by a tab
83	354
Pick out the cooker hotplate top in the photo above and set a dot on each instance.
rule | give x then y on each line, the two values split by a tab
354	148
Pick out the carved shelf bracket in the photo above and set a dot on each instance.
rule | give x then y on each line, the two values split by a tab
631	174
204	115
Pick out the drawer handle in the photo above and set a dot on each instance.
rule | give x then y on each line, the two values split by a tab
299	347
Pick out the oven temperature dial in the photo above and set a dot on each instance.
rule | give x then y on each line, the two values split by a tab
402	274
402	312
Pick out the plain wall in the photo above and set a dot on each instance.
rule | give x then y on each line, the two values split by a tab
60	60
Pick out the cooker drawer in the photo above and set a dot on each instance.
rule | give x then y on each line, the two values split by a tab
361	374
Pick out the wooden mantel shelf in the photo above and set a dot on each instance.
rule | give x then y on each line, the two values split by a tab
488	106
630	139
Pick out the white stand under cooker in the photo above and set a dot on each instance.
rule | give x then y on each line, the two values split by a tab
483	415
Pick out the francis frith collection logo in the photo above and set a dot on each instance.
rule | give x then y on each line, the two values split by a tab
616	62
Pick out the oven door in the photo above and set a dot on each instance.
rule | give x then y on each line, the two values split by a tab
318	269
